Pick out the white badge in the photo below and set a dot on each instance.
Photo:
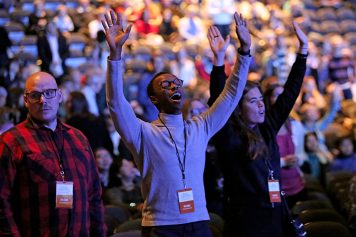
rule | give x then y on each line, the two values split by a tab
64	194
186	200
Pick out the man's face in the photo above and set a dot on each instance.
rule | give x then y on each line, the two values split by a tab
42	98
169	96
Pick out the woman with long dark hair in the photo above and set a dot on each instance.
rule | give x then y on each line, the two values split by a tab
249	154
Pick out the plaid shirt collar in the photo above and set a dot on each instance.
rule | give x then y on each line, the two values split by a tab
35	124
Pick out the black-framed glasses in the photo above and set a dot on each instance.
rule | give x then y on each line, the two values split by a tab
35	96
169	84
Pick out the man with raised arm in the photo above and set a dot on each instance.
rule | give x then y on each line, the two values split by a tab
170	152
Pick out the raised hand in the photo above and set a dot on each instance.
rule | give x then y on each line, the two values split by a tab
115	34
242	32
303	40
218	45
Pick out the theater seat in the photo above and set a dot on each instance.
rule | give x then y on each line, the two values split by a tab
127	226
326	229
310	205
114	216
135	233
321	215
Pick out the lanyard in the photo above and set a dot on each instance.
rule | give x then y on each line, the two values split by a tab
181	164
270	169
59	141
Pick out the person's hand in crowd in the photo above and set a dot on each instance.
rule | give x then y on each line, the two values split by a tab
242	32
302	38
116	36
290	160
218	45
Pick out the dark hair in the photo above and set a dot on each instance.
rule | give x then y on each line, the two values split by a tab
306	149
268	94
150	90
79	104
256	146
343	138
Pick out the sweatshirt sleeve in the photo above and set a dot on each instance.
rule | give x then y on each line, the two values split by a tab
284	104
124	118
217	83
225	103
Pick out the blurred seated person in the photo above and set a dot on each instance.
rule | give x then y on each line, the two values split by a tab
103	161
125	188
52	50
317	161
4	57
92	87
313	121
150	19
63	21
82	15
345	160
191	27
39	18
311	95
93	127
95	25
341	67
6	119
169	26
213	178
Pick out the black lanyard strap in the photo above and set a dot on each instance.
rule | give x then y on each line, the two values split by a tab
58	139
181	164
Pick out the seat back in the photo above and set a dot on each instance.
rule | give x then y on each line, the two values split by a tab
326	229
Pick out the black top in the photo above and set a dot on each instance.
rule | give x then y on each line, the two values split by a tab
245	179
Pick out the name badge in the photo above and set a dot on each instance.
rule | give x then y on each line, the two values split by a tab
274	191
64	195
186	200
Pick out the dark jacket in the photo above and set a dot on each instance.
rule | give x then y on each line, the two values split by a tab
45	53
245	180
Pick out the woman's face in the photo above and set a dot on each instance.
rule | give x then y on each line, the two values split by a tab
346	147
103	159
127	169
311	143
253	107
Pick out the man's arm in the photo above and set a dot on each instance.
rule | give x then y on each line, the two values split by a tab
121	112
8	226
220	111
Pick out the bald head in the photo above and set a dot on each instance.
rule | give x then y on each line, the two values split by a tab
40	78
42	98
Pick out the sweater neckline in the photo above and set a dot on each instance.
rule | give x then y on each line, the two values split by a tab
172	119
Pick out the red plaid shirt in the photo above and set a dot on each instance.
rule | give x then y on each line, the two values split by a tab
29	169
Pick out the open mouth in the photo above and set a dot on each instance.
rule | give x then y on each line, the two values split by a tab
176	97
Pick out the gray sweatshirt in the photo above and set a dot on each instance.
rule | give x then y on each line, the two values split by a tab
155	154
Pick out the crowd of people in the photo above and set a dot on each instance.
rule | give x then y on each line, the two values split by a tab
293	121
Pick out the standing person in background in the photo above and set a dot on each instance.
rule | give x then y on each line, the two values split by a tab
92	126
170	152
248	151
45	189
52	50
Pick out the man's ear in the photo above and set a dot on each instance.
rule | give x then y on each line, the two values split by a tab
26	101
154	100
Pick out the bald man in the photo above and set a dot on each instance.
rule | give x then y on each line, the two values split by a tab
49	183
